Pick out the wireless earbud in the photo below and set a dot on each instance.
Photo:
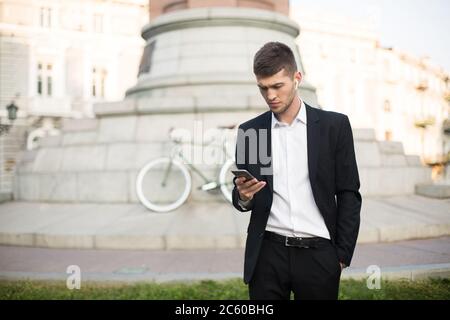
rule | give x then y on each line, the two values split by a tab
296	84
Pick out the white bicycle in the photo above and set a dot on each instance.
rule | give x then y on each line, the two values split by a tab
165	183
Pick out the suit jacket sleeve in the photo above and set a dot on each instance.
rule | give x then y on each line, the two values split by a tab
235	193
347	194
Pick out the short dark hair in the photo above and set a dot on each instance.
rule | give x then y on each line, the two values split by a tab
273	57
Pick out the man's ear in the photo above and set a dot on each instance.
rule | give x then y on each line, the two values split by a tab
300	77
298	81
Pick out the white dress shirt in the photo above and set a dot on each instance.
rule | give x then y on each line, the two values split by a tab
294	212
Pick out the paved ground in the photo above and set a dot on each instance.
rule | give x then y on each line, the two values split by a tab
205	225
405	259
126	242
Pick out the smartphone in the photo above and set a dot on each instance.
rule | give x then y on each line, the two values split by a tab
243	173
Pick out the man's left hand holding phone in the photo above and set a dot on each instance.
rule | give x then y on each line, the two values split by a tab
247	186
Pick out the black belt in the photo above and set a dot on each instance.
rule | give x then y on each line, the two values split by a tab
312	242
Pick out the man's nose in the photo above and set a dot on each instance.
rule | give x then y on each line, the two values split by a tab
271	95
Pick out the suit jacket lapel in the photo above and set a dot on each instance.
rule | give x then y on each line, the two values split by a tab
313	141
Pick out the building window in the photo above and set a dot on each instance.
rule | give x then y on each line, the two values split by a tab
387	67
98	23
387	106
94	75
39	79
353	55
49	80
322	50
388	135
45	80
39	85
98	82
45	17
49	86
102	86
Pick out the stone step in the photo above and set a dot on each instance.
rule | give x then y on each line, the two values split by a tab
50	141
5	196
413	160
69	125
127	106
367	153
391	147
385	181
393	160
119	185
363	134
434	190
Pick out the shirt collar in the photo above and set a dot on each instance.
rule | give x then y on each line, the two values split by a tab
301	116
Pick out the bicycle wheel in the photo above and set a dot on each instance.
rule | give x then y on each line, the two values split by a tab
226	179
163	184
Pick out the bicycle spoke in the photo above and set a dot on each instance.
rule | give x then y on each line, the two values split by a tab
166	174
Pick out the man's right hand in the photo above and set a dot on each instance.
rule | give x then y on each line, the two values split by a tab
247	189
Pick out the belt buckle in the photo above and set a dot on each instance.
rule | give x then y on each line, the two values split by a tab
286	243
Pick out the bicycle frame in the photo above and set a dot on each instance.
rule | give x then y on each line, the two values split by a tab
179	153
178	159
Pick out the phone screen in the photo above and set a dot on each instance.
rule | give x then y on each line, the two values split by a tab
243	173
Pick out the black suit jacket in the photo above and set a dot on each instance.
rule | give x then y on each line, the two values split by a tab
333	175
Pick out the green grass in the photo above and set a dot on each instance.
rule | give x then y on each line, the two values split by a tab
230	289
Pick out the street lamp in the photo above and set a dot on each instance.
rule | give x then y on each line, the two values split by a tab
12	111
12	115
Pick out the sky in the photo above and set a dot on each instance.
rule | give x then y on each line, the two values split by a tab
418	27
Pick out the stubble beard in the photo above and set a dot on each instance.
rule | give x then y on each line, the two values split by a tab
287	105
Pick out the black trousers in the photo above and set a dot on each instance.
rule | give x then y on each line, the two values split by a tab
310	273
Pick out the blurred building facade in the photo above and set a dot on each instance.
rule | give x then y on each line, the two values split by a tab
404	98
57	58
158	8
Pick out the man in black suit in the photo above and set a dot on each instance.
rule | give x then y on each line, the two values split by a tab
305	202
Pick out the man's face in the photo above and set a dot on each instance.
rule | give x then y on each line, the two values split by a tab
279	90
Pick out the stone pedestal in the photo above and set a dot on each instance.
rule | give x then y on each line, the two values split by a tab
98	160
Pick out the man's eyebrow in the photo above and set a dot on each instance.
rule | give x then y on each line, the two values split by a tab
274	85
